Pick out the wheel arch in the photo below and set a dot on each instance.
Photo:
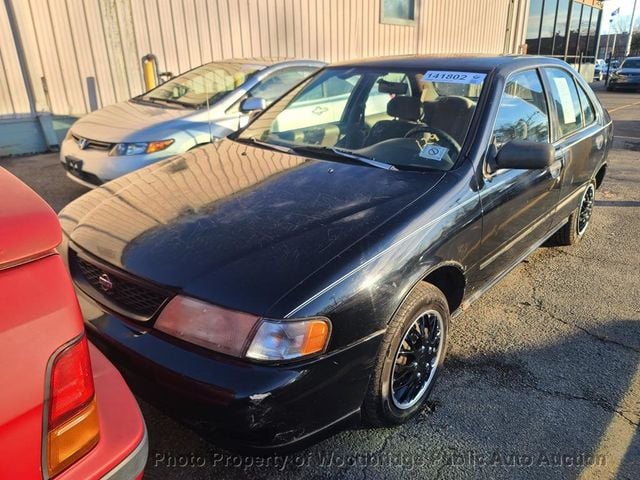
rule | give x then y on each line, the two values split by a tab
599	176
450	279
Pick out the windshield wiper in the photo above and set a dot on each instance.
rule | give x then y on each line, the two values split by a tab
171	100
270	146
340	153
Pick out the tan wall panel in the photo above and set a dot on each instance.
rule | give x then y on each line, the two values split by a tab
13	98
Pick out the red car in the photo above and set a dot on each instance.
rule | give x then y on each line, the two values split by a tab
65	411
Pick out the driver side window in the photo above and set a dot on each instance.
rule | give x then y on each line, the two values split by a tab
523	111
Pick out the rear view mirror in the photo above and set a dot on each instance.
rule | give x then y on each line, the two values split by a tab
397	88
253	104
526	155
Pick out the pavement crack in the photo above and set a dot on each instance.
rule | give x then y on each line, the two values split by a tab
601	403
539	305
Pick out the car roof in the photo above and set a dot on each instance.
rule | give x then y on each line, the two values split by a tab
269	61
483	63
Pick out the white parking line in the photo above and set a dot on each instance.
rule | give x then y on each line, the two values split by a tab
624	106
627	138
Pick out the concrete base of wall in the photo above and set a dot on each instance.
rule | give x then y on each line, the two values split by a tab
586	70
34	134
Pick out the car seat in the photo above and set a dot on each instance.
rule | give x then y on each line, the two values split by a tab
405	112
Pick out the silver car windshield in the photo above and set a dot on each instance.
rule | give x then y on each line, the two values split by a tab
405	118
211	81
631	63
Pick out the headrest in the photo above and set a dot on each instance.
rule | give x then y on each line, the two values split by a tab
451	106
406	108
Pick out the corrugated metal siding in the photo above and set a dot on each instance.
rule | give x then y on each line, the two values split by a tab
89	51
14	101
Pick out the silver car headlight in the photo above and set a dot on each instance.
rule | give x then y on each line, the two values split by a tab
137	148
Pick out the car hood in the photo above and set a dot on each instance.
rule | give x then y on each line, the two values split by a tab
237	225
128	121
628	71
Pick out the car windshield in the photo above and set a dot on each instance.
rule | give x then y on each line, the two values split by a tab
631	63
212	81
404	118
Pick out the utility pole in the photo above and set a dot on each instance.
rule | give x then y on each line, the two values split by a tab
627	50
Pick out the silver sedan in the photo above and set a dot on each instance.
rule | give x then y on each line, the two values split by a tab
195	108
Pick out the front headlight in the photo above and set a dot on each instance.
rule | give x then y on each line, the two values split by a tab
122	149
289	339
241	334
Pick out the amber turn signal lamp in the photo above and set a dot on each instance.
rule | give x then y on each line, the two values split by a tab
73	439
316	337
73	427
158	146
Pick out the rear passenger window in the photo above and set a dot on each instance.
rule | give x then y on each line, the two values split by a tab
565	97
588	111
523	111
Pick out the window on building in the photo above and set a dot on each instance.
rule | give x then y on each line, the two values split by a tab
547	29
593	40
585	23
399	12
566	100
574	31
523	111
533	26
561	28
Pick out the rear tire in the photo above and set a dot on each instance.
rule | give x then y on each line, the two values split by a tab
575	228
409	358
611	88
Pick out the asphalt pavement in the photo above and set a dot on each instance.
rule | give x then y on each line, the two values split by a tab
541	379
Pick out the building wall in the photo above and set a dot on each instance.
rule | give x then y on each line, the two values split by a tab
80	55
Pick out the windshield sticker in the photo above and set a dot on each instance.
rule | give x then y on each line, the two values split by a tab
433	152
444	76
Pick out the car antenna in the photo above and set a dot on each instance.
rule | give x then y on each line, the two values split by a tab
206	92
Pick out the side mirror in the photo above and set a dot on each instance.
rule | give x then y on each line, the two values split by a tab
253	104
525	155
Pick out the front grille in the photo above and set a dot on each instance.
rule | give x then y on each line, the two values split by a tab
130	297
85	143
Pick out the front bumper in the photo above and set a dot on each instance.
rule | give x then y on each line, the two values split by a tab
246	405
625	82
93	167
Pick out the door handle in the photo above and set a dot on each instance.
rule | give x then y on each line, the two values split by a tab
319	110
556	167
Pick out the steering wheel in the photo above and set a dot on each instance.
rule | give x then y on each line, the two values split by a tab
444	137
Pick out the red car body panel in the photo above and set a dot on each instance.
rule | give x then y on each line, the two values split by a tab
28	226
39	313
121	430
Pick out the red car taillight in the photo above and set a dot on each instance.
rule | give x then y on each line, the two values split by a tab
73	426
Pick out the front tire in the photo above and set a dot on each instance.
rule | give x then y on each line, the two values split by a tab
575	228
409	359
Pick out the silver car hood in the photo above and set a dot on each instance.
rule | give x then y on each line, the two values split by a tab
128	122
